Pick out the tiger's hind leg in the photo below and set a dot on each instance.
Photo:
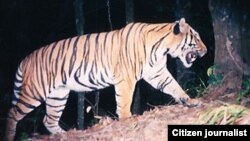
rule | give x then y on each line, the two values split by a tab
23	106
55	104
124	97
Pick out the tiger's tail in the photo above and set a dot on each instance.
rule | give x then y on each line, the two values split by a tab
17	84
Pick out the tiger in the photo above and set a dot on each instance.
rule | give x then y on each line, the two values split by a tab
95	61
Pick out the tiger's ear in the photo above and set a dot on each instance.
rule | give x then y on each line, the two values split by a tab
180	26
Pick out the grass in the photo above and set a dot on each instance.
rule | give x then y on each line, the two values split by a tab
244	92
223	115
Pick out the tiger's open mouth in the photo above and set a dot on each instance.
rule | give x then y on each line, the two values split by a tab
191	57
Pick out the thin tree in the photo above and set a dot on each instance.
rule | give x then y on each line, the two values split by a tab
79	15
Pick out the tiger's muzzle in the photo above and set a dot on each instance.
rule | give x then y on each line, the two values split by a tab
193	55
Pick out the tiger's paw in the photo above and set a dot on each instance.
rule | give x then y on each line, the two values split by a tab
190	102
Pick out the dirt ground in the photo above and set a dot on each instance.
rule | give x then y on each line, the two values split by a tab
152	125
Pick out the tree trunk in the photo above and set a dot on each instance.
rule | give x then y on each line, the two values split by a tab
228	60
129	7
79	17
245	37
80	30
80	110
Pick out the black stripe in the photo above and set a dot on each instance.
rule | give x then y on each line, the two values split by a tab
30	106
178	46
127	41
37	95
51	126
14	98
106	52
42	81
50	77
53	76
102	82
78	71
13	118
43	66
155	48
166	52
32	92
158	74
55	106
141	63
19	110
47	66
97	42
185	41
59	111
144	49
64	78
18	88
171	27
18	72
86	52
163	84
122	58
162	27
136	55
112	45
116	94
44	49
105	38
69	43
160	85
58	98
191	38
25	93
160	40
80	83
57	57
153	52
105	69
63	73
62	48
95	66
52	50
137	48
73	56
127	36
152	29
38	64
53	117
167	83
91	77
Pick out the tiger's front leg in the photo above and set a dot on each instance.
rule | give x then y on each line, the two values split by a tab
124	96
164	81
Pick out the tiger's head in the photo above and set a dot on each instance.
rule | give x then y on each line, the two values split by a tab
186	43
